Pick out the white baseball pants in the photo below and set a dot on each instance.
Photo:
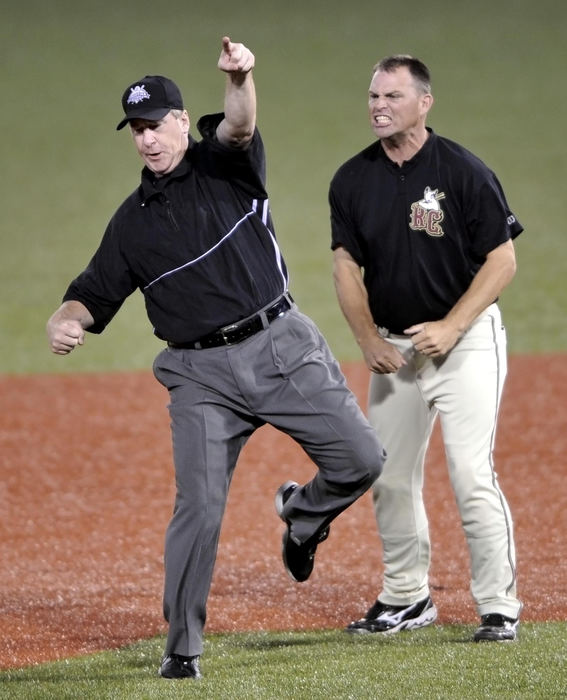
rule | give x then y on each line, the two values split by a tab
464	389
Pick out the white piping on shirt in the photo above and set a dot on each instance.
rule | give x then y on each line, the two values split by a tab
277	251
208	252
264	217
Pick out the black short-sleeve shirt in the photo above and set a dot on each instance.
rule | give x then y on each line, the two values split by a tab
420	231
199	244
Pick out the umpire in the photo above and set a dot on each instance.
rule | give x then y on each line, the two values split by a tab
196	238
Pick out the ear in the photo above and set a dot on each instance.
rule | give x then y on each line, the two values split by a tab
426	103
185	122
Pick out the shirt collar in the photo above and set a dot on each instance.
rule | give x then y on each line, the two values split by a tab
152	185
412	162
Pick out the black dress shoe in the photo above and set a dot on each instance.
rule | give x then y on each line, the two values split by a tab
298	559
177	666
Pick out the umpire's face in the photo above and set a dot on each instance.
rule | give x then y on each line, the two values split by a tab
396	106
162	144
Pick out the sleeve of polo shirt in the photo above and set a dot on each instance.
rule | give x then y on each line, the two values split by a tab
105	283
343	227
246	167
490	221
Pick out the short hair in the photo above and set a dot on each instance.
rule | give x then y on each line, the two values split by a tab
418	70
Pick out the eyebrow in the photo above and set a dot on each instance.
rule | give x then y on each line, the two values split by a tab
390	93
146	124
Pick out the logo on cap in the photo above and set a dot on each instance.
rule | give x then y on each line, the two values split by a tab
137	94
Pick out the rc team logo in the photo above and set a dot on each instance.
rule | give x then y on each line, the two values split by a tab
427	215
137	94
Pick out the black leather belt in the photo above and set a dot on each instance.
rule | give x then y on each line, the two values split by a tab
237	332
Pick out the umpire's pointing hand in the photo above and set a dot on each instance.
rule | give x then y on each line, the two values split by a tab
235	58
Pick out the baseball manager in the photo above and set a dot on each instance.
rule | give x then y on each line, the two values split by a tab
423	241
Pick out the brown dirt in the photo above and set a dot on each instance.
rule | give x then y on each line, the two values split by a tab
87	490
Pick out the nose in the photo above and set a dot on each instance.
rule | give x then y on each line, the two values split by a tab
148	137
379	102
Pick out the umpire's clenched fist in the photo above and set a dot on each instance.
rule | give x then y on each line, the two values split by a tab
65	336
66	328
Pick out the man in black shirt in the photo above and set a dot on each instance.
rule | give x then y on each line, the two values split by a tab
197	239
422	239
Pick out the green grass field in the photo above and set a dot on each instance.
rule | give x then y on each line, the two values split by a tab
498	77
498	81
435	662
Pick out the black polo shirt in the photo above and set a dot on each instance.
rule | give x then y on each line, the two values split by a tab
420	231
199	244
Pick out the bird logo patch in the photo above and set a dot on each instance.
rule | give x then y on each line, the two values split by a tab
137	94
426	214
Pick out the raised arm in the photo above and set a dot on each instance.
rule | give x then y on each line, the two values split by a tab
237	127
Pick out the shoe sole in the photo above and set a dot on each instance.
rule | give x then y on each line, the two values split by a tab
279	503
428	617
488	638
508	640
284	559
171	677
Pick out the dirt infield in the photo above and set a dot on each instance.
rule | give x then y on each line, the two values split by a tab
87	490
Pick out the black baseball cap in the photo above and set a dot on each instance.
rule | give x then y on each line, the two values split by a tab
152	98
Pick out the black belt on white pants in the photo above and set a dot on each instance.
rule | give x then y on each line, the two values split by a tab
241	330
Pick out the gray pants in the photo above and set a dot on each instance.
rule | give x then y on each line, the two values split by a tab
284	375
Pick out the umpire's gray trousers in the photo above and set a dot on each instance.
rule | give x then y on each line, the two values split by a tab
284	375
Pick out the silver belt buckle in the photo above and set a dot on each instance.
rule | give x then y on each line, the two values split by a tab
227	329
